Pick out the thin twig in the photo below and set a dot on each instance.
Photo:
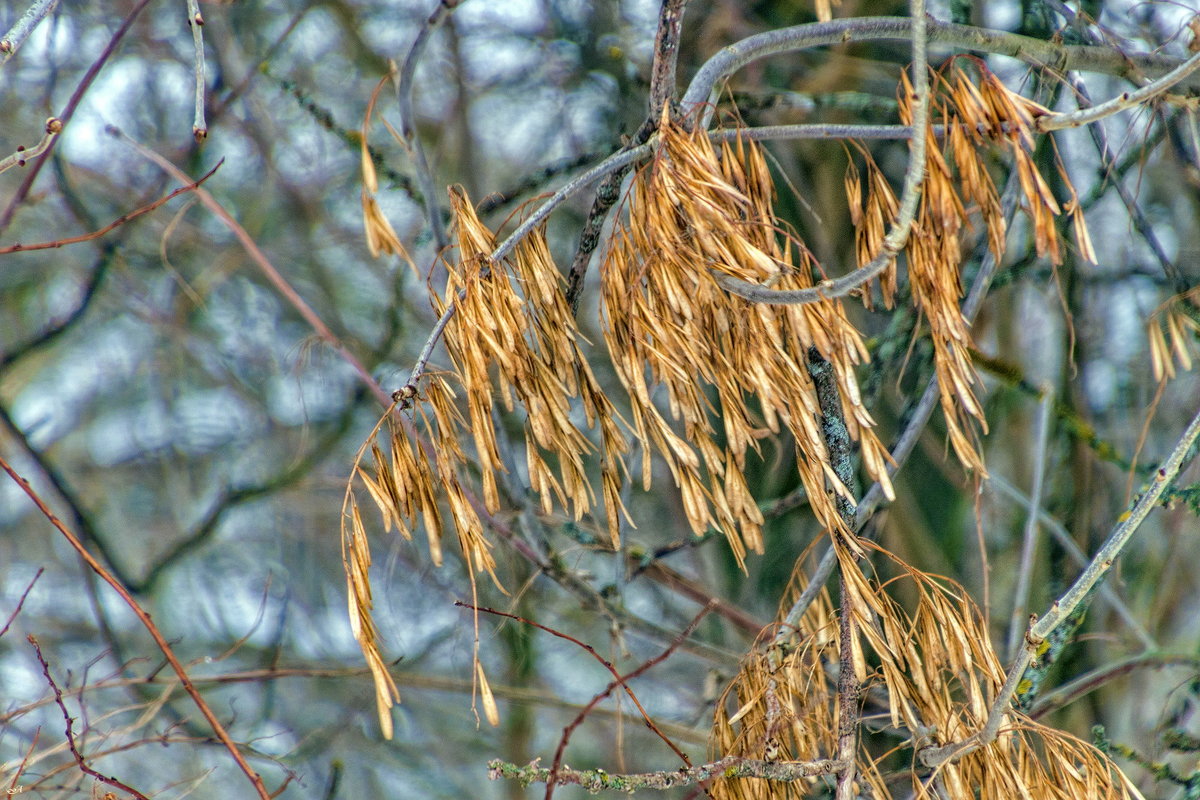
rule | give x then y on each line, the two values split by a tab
21	602
1036	52
69	111
52	128
592	651
1123	101
148	623
19	32
1101	563
623	682
595	780
408	122
1067	543
910	196
1041	434
118	222
196	23
70	730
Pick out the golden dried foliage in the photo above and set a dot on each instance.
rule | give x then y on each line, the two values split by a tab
693	211
356	562
959	189
781	702
381	236
931	673
1172	330
708	375
528	340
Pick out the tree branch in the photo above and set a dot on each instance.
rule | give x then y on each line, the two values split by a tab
196	23
20	31
595	780
70	729
910	196
118	222
1101	563
1036	52
150	627
662	92
1123	101
408	123
69	111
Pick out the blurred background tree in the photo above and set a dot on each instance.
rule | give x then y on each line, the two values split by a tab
177	409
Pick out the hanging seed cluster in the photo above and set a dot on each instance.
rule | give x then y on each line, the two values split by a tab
731	372
959	191
707	376
931	674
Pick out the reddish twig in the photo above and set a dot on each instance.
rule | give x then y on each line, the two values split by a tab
148	623
268	269
622	680
21	602
111	781
607	665
13	785
68	112
118	222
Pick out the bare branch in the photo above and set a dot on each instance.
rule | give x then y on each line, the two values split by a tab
619	679
910	197
196	23
70	729
1033	51
118	222
21	602
623	681
1123	101
149	625
1064	539
23	154
68	112
728	767
19	32
408	122
1041	434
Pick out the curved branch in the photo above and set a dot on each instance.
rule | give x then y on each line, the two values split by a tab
1121	102
1085	58
1101	563
897	237
408	126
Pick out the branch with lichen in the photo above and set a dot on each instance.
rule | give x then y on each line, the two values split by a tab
1041	628
595	780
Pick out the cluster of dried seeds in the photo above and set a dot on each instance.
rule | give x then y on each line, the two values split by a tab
932	675
958	189
732	372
